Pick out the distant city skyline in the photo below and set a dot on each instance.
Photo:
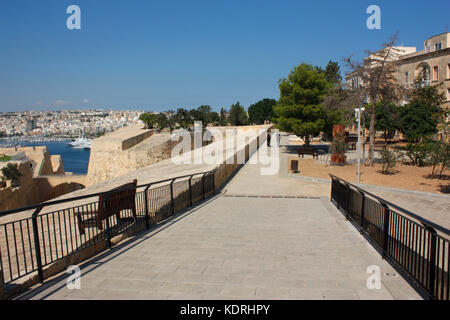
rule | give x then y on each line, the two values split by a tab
149	55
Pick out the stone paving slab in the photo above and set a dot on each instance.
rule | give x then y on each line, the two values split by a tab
238	248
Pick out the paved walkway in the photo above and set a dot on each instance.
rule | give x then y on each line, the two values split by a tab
235	247
435	208
248	181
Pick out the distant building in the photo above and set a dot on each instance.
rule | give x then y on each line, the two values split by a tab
31	125
432	65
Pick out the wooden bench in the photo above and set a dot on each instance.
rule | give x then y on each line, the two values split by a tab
117	200
307	150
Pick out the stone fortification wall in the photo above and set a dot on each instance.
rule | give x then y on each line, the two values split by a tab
57	164
127	150
39	155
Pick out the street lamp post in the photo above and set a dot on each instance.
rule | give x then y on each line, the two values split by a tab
358	116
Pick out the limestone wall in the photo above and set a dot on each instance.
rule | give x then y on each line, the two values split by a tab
27	193
57	164
38	155
110	160
32	190
127	150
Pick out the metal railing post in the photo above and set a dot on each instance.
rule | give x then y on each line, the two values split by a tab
190	191
432	262
332	189
386	218
2	281
363	202
203	186
147	215
171	197
347	209
108	229
37	246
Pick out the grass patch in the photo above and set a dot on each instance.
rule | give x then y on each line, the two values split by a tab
5	158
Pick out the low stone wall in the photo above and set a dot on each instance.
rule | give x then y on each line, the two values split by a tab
35	191
132	141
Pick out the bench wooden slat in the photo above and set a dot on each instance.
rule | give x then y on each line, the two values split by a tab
116	201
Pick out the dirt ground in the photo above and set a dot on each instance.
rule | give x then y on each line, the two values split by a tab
402	176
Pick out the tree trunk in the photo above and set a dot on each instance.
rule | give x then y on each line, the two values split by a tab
307	140
371	138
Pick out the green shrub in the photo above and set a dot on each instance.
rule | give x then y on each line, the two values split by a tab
439	156
419	153
388	159
11	172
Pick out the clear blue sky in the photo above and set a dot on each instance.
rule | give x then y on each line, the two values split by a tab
155	55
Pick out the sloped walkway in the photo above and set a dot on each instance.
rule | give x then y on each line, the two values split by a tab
240	246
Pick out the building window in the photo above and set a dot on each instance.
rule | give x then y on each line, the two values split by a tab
435	73
438	46
427	49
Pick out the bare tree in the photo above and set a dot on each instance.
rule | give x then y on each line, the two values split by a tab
338	98
377	81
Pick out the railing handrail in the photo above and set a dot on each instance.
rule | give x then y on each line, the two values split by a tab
402	210
52	203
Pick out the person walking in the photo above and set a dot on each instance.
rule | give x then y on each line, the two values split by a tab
269	133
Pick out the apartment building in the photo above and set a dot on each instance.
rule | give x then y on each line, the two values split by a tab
432	65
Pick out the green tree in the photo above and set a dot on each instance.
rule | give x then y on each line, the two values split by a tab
418	120
213	118
299	108
387	118
223	117
261	111
166	120
433	98
238	116
333	73
150	119
183	118
11	172
430	95
202	114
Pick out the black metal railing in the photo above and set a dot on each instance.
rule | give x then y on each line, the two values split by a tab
418	247
30	244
